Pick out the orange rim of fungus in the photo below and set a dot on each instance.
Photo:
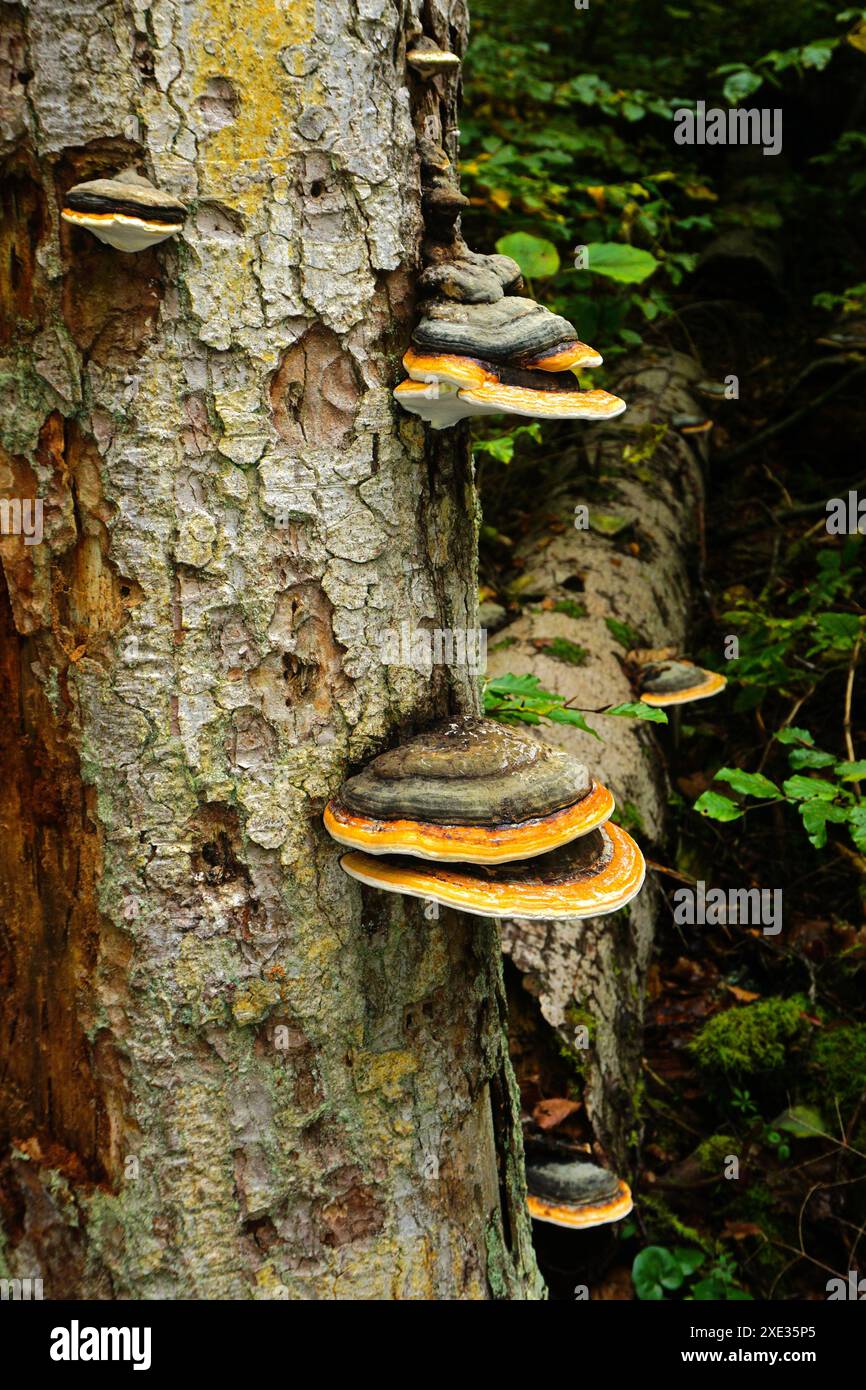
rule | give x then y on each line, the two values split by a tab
578	1217
471	844
557	404
84	219
611	888
711	685
568	357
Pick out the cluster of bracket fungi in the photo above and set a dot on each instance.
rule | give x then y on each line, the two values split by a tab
481	347
481	817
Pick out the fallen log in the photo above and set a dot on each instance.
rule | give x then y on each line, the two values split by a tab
620	569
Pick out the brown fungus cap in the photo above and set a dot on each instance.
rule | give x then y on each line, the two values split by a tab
678	682
578	1195
126	211
513	330
469	791
428	59
470	278
589	877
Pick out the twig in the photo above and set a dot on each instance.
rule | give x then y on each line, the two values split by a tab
783	514
849	693
807	409
670	873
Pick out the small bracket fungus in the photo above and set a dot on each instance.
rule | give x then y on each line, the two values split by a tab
469	791
429	60
588	877
577	1194
677	683
126	211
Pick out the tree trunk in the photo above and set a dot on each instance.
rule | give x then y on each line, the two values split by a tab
593	976
227	1072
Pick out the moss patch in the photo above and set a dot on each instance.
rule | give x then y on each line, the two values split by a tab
838	1065
749	1041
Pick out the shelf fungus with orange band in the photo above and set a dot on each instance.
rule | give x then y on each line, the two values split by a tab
125	211
678	682
512	330
481	349
588	877
577	1195
468	791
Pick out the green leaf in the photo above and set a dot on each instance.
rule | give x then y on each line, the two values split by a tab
851	772
536	257
811	757
688	1260
741	85
841	628
606	524
709	1290
809	789
521	700
628	265
717	807
794	736
636	709
748	783
653	1271
818	54
560	715
857	826
501	448
509	684
803	1121
815	815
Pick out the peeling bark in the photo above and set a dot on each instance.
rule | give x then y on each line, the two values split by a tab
593	975
226	1072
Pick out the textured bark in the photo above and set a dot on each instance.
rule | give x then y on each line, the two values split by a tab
226	1072
593	975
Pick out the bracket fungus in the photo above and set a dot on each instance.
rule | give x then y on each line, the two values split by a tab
469	791
576	1194
480	347
677	683
481	817
125	211
429	60
588	877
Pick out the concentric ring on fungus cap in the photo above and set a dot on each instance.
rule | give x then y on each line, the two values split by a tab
471	844
594	875
678	682
126	211
576	1195
469	791
467	372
